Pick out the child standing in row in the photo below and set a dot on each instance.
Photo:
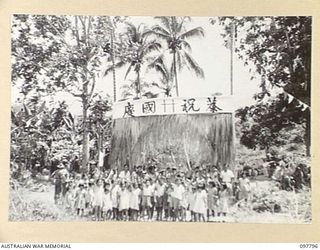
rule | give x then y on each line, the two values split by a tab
224	200
124	199
98	199
80	200
107	203
201	203
135	198
212	199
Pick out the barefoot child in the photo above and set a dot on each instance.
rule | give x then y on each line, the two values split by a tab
200	206
224	200
135	197
115	201
98	199
107	203
212	199
80	200
124	198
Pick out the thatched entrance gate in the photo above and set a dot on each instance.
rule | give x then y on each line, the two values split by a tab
202	134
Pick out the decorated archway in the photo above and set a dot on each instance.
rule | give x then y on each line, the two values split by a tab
176	131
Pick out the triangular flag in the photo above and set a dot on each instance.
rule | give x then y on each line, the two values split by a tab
304	107
290	98
285	95
26	110
300	103
38	123
28	123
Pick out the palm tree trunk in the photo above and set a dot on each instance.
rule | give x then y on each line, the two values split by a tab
85	138
113	67
175	72
138	85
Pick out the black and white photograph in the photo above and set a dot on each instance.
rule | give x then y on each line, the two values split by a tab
176	119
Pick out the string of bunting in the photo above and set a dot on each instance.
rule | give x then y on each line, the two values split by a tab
290	98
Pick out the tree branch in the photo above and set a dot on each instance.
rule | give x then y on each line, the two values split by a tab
60	35
92	87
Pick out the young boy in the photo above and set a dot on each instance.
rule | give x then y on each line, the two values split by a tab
146	199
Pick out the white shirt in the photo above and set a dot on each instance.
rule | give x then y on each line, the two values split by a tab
124	176
147	191
178	191
160	190
227	175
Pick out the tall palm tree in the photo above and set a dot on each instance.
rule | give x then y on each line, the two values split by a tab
165	83
139	47
173	30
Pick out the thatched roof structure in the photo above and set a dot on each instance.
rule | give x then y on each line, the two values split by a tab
179	138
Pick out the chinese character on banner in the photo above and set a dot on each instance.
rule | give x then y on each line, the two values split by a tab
212	105
168	103
149	107
189	105
128	110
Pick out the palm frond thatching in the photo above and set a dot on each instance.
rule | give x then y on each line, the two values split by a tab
206	138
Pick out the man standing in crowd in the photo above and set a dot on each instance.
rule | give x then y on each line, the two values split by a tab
125	175
227	176
61	176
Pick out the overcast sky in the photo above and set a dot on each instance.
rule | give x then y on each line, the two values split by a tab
210	54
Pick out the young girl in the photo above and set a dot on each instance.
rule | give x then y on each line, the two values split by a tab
70	195
146	199
159	193
98	199
184	203
89	199
212	199
115	202
224	200
80	200
135	196
200	205
168	209
124	199
107	203
191	201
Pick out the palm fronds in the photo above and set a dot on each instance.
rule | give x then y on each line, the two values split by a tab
210	134
193	65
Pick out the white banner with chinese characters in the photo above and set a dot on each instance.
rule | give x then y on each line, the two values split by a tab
169	106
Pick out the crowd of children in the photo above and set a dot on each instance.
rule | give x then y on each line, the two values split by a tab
152	194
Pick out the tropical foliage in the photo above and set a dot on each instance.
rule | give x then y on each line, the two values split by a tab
174	32
279	50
